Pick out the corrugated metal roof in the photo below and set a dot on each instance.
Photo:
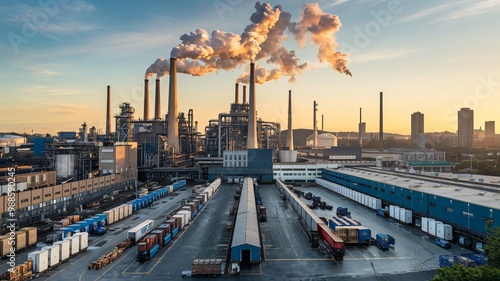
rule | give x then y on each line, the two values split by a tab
246	228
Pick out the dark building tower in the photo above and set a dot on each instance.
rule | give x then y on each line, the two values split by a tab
381	126
489	133
465	127
417	128
361	128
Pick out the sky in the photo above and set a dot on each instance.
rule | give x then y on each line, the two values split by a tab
58	56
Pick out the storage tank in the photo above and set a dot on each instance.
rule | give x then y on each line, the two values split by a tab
40	260
65	165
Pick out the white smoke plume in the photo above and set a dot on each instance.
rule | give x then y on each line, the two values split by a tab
261	76
200	52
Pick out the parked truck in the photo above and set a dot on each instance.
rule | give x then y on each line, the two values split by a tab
343	212
205	268
384	241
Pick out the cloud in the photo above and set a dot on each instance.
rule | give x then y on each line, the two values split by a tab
455	10
380	56
65	108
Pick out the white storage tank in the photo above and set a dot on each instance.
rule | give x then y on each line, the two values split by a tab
432	227
64	252
84	240
74	245
40	260
448	232
54	253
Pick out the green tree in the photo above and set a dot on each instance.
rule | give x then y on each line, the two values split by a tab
492	248
459	272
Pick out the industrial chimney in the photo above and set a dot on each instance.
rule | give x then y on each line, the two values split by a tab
252	115
361	128
236	93
289	141
381	131
146	99
157	100
84	132
315	125
108	114
244	94
173	125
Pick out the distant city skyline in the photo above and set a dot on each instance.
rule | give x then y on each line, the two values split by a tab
58	60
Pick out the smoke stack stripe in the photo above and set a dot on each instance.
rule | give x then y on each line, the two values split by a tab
173	125
244	94
157	100
146	99
252	118
108	113
289	141
381	132
236	93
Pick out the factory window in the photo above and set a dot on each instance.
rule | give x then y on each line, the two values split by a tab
47	195
382	190
231	157
449	209
66	190
57	192
392	193
432	204
36	197
75	188
239	157
24	200
225	157
240	164
408	197
244	157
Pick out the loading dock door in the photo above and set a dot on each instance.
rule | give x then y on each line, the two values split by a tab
245	256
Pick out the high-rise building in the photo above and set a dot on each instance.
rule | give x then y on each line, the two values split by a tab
417	128
489	133
465	127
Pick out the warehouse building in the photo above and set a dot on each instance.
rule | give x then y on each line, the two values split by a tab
464	206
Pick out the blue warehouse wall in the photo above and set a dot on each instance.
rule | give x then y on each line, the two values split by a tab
468	216
237	251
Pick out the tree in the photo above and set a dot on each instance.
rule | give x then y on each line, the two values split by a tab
492	248
459	272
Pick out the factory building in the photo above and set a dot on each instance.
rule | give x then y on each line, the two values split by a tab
259	165
464	206
120	158
72	160
230	130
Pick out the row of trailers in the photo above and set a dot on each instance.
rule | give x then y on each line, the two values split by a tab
150	240
318	230
98	223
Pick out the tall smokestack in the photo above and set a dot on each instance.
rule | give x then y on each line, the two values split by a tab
146	99
173	125
84	132
381	131
289	141
322	123
108	114
157	100
252	116
315	125
360	128
244	94
236	93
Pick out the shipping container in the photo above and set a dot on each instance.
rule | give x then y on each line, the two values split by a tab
392	211
64	252
110	217
4	246
20	240
439	229
378	203
186	214
40	260
183	221
83	240
432	227
31	236
448	232
54	253
397	213
140	230
74	245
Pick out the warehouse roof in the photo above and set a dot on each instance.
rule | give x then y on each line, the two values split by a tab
431	164
246	228
445	188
